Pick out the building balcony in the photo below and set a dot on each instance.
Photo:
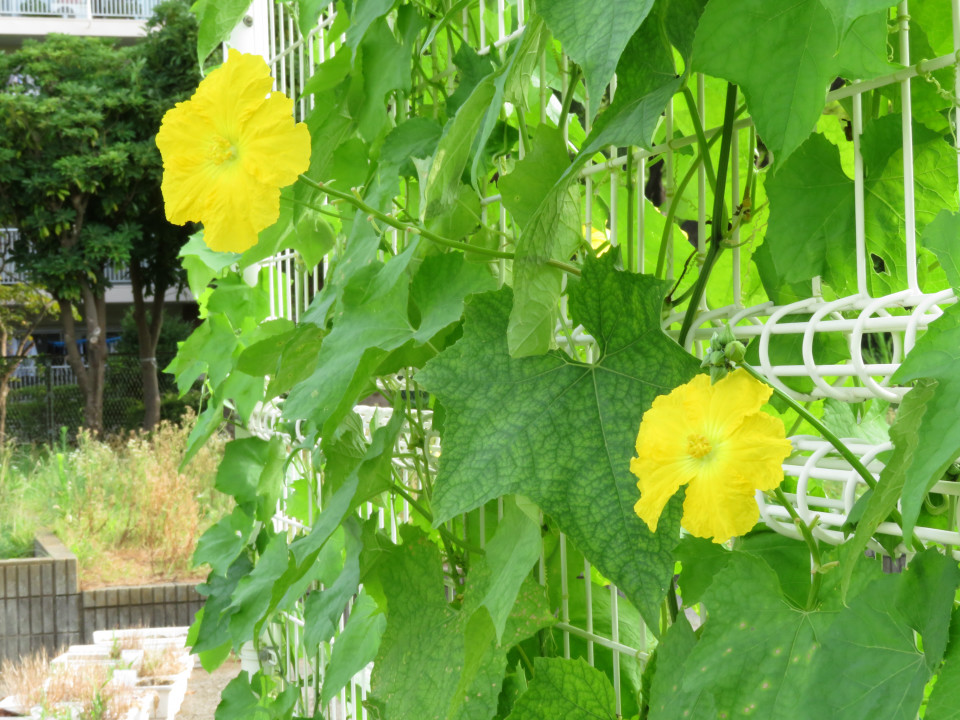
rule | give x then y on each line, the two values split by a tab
21	19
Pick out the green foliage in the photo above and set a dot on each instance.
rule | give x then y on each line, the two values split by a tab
448	203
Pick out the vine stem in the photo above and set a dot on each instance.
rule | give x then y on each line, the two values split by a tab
719	192
422	231
428	516
806	530
845	452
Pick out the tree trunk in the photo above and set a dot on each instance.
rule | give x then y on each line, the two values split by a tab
148	335
90	377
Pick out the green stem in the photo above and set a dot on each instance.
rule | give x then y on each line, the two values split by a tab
837	443
807	532
631	266
701	135
568	97
422	231
428	516
719	226
672	606
678	196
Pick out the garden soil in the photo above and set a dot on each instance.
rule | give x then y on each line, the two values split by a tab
203	693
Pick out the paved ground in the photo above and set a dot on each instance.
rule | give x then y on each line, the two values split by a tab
203	693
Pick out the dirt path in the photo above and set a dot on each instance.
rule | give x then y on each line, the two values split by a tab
203	692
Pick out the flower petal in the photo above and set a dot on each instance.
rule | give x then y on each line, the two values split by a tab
272	148
736	395
658	483
756	450
237	209
233	92
719	508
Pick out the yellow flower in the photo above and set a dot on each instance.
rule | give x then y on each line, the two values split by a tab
228	150
715	440
597	239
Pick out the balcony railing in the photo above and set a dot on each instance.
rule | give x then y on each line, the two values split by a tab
80	9
9	275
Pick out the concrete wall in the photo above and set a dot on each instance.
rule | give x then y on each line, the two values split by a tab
41	605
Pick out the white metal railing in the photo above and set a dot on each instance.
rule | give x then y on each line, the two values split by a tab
80	9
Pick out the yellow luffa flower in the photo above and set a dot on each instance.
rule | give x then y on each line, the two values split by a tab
715	440
597	239
228	150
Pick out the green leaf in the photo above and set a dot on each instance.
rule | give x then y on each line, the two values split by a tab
423	651
216	19
842	421
568	689
221	544
667	695
373	318
251	473
784	64
355	647
942	238
511	553
511	82
938	435
535	175
254	592
386	67
646	80
944	701
328	74
203	264
323	608
364	13
453	151
846	12
439	288
680	19
594	35
869	665
213	628
863	50
811	217
415	138
560	431
756	649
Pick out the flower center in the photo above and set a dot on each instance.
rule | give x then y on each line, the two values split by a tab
698	446
222	150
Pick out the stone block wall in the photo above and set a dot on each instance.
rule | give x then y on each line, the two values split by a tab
41	605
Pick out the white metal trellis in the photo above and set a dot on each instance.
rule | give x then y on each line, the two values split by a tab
902	316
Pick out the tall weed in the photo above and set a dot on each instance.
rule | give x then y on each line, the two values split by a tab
123	497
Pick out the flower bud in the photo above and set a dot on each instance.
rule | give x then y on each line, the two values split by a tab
735	352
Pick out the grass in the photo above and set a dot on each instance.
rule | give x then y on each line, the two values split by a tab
121	505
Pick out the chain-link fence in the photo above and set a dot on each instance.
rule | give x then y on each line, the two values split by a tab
44	396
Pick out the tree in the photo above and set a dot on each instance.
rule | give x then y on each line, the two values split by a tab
65	153
80	179
22	308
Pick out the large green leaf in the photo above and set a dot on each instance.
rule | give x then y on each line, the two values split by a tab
222	543
942	238
568	689
560	431
594	35
756	650
935	356
356	646
811	216
944	701
870	664
783	63
846	12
